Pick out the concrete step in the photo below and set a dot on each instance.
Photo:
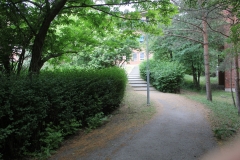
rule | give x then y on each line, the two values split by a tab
134	77
137	79
139	85
144	89
137	82
134	74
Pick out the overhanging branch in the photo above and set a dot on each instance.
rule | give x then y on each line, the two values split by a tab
189	24
190	39
114	15
183	30
54	55
24	18
107	4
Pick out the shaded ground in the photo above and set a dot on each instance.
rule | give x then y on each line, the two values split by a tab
124	122
178	131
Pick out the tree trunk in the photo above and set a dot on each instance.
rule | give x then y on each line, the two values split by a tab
199	73
237	90
198	78
234	103
206	59
20	61
194	73
36	61
6	64
171	55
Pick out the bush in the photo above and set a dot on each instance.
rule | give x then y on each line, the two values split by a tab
164	76
54	103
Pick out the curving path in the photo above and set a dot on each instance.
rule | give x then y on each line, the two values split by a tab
179	131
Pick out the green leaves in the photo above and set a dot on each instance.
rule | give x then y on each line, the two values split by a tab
36	114
235	34
164	76
86	23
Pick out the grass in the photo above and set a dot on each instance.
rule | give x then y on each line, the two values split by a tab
223	116
136	103
188	83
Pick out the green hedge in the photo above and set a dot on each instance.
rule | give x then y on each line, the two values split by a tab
37	113
164	76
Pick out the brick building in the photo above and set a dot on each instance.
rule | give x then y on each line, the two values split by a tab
139	56
228	76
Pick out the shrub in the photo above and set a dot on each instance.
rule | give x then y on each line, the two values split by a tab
164	76
96	120
54	103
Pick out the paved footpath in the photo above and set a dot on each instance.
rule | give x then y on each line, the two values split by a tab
179	131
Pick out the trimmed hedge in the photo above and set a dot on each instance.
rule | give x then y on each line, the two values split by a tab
164	76
36	114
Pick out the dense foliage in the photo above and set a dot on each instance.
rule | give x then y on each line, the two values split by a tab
36	114
108	51
34	26
164	76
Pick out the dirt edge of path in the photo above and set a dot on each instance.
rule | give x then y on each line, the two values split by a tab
129	118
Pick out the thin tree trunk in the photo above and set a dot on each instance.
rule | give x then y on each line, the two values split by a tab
20	61
237	90
6	64
171	55
234	103
206	59
198	77
194	76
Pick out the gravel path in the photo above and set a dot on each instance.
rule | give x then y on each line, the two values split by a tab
179	131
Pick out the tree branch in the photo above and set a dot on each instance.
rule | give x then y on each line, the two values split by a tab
215	30
34	3
183	30
114	15
24	18
191	39
47	6
54	55
189	24
108	4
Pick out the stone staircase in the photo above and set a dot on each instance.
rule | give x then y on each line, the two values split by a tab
137	82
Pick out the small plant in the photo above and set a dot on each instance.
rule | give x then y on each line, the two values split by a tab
50	139
96	120
224	133
70	127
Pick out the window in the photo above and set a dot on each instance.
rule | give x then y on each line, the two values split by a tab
141	56
141	39
134	56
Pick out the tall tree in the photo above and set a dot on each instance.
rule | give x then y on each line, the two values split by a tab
206	55
235	39
229	11
192	24
40	16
